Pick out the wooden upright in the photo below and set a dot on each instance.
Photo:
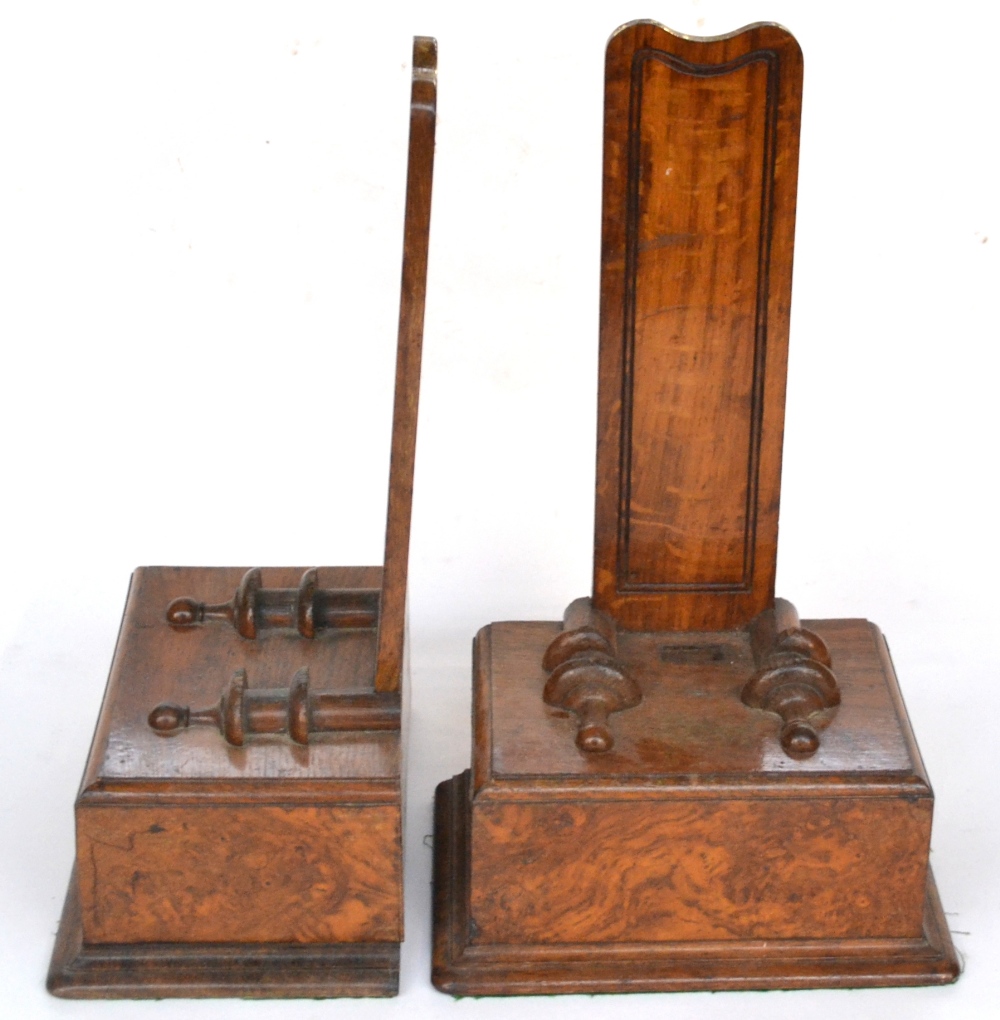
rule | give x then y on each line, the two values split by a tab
239	824
701	141
682	785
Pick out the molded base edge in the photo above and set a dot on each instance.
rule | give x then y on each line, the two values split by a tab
224	970
461	968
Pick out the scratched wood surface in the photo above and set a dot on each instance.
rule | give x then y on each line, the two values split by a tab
700	163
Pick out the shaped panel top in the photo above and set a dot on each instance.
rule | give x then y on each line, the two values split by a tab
700	165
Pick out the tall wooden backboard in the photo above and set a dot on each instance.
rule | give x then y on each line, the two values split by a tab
700	163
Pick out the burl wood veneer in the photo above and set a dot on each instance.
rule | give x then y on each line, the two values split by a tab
239	824
682	785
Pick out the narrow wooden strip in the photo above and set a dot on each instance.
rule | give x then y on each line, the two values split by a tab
319	792
416	232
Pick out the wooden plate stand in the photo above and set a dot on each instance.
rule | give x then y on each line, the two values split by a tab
682	785
239	824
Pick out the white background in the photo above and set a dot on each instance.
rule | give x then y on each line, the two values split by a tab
200	235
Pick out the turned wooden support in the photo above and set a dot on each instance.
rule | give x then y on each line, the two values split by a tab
793	677
307	608
585	677
243	711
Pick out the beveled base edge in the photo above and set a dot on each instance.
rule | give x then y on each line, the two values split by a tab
461	968
224	970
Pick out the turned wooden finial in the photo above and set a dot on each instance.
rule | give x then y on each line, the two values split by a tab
585	677
307	608
793	678
243	711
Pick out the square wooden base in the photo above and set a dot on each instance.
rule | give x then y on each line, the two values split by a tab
223	970
463	968
208	869
695	854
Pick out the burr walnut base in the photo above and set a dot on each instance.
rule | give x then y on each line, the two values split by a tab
207	869
696	854
226	969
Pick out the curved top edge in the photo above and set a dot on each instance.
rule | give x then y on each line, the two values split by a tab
699	38
425	57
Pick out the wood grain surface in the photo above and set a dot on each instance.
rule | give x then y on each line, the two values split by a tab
691	729
159	970
155	663
413	290
186	838
695	853
258	873
464	964
700	162
649	871
696	825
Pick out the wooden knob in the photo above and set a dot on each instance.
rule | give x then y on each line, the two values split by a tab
185	612
799	738
585	677
794	678
594	734
168	718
